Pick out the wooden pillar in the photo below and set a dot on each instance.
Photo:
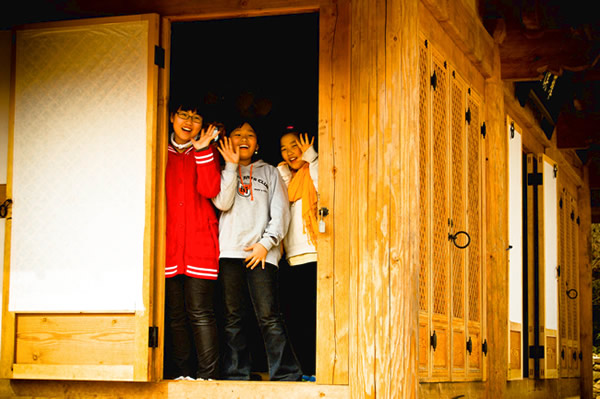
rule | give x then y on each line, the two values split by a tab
585	286
384	101
497	233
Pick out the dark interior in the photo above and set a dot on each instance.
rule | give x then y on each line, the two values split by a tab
265	68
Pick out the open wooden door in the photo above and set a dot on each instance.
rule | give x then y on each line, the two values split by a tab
515	254
79	250
542	205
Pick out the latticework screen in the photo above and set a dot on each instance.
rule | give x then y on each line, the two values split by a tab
440	190
423	178
450	288
458	189
474	183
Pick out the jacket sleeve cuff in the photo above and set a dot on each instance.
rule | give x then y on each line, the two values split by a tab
204	156
267	242
232	167
310	154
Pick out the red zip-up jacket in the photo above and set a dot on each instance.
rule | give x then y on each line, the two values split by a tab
192	179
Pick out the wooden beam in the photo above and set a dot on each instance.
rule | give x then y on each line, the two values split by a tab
526	58
578	132
464	27
594	168
497	235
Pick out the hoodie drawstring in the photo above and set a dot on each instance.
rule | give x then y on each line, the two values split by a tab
243	190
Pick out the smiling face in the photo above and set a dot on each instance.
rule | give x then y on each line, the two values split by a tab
291	152
245	140
186	124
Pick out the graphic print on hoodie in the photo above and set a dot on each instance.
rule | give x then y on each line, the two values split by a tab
254	208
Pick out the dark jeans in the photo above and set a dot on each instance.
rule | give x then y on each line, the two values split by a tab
190	300
299	305
261	286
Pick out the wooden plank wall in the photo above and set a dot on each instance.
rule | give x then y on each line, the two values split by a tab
384	109
334	147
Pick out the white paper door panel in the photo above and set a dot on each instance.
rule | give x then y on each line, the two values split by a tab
79	168
550	246
515	228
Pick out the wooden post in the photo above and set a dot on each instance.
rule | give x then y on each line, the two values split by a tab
497	233
384	109
585	286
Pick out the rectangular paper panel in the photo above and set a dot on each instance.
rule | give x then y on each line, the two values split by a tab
515	228
79	168
550	246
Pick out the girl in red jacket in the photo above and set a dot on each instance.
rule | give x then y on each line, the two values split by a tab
192	256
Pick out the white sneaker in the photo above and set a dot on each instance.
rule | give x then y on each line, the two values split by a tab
186	378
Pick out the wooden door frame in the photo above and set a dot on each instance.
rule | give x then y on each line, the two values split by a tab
332	358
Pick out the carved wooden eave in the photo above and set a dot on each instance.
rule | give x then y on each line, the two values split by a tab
528	55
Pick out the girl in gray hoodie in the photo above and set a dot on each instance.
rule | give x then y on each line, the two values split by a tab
254	219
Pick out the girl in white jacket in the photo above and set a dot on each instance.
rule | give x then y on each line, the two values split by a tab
299	171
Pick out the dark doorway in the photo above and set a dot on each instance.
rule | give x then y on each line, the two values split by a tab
264	67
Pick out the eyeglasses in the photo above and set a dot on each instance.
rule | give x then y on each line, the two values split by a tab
185	116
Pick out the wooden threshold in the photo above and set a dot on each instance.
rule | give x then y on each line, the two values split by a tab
172	389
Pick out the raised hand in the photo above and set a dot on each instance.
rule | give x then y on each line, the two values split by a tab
258	256
227	151
205	137
303	143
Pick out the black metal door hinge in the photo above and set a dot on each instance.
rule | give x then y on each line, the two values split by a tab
159	56
4	208
433	340
484	347
433	80
153	337
535	179
536	352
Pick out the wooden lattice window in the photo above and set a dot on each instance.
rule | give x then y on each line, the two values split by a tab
568	232
424	176
451	202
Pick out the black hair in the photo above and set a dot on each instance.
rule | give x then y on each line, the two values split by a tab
237	122
186	103
290	128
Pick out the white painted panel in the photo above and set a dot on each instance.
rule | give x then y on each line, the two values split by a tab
515	228
79	168
5	49
550	245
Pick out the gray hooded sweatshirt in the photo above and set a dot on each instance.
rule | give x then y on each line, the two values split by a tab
255	209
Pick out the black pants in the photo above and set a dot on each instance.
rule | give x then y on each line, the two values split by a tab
260	286
191	300
299	304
